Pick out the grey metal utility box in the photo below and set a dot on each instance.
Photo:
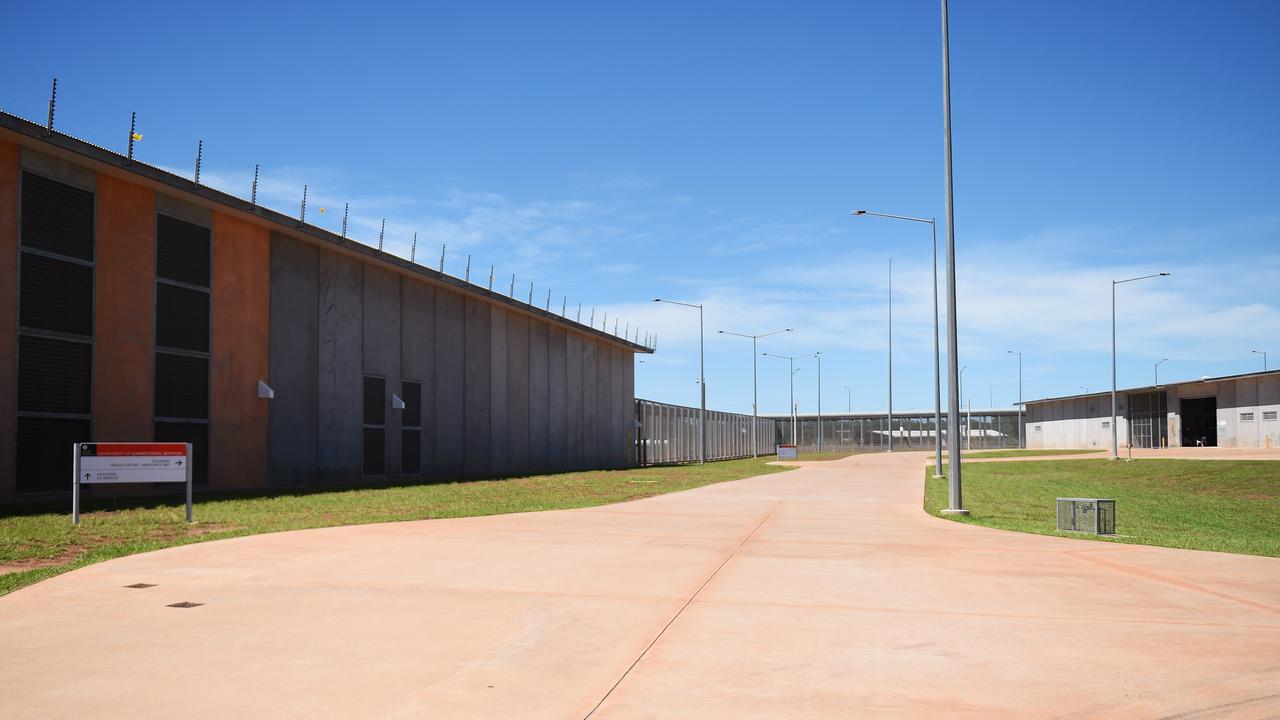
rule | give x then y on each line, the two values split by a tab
1090	515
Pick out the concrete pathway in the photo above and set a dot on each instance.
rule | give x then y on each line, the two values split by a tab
821	592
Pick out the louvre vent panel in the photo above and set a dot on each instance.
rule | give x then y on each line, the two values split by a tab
195	433
44	452
182	251
182	318
375	451
375	401
57	217
182	386
411	416
411	451
54	376
55	295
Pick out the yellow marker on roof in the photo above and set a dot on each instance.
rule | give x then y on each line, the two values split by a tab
137	136
321	210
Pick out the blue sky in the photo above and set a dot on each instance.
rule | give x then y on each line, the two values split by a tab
710	152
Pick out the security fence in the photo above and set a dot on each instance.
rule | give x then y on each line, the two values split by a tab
669	434
987	428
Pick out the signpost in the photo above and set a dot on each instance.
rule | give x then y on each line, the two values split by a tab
115	462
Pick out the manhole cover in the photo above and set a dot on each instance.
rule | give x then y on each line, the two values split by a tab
139	586
185	605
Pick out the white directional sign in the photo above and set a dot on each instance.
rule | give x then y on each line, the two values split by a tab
118	462
133	462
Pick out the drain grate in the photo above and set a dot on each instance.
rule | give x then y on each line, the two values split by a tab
139	586
185	604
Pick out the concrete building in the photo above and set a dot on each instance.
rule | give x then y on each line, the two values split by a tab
139	305
1228	411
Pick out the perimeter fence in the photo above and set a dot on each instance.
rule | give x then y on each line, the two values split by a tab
668	434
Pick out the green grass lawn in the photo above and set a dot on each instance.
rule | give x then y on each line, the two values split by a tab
1223	505
1023	453
37	545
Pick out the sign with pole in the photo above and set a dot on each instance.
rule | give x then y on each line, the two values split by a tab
117	462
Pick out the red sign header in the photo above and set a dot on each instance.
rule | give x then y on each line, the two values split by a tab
133	449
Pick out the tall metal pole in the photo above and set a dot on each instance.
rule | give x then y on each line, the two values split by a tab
702	383
1263	353
890	354
1158	371
755	401
1115	436
819	356
1012	352
937	354
793	400
955	499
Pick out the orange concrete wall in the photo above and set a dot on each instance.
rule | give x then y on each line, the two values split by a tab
124	313
9	175
238	420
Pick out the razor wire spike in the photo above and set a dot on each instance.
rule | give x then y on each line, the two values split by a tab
133	130
530	303
443	247
579	318
490	278
302	217
345	210
381	233
548	307
253	194
413	249
592	321
199	157
512	292
467	276
53	100
564	304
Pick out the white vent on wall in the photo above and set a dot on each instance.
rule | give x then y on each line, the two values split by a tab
1246	417
1269	415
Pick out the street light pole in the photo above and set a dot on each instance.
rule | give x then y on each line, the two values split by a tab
1011	352
937	363
966	427
702	380
890	354
792	360
755	395
1158	371
955	499
818	355
1264	358
1115	435
849	399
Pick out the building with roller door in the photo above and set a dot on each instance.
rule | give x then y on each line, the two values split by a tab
138	305
1240	411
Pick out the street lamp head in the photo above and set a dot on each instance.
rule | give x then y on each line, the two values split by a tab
858	212
657	299
1164	274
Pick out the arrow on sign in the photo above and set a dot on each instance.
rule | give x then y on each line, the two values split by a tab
178	463
88	475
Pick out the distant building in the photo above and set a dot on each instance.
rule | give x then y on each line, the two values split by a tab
139	305
1227	411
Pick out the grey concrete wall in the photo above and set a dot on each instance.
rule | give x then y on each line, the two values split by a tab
517	435
417	356
539	397
558	422
590	406
478	374
502	392
450	388
498	423
341	359
382	352
293	362
575	445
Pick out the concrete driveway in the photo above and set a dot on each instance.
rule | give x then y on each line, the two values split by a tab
822	592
